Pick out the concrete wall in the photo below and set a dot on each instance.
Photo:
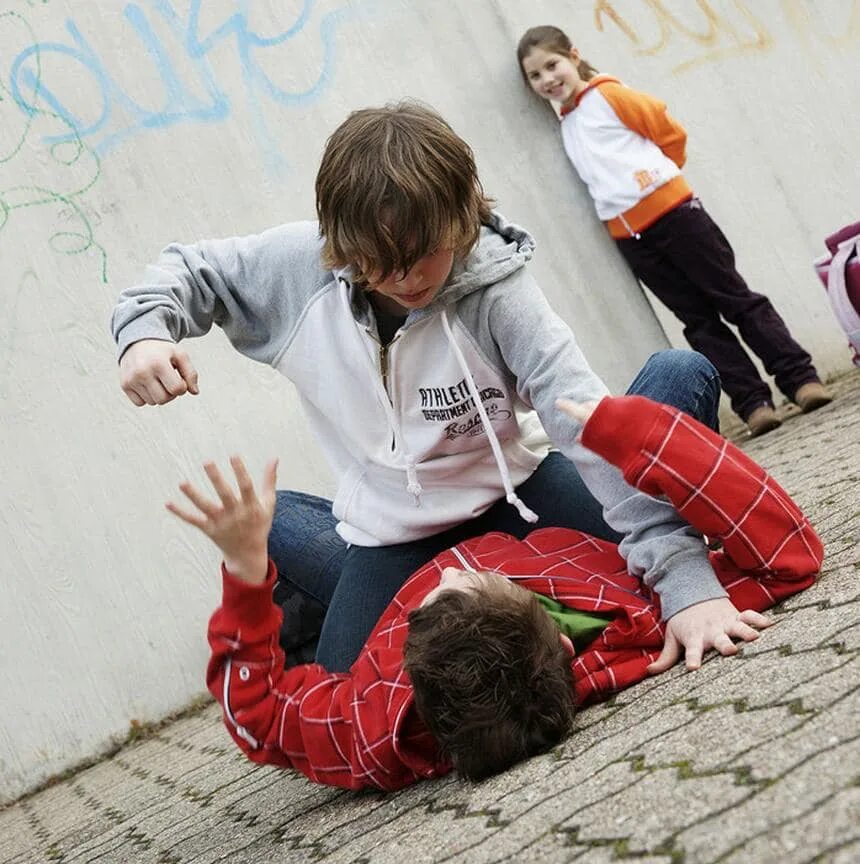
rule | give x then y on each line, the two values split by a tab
124	126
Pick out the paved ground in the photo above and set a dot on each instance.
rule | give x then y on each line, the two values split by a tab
751	759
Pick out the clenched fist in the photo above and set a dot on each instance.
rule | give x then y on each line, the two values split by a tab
154	372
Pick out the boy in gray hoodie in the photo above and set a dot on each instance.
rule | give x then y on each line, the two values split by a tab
426	358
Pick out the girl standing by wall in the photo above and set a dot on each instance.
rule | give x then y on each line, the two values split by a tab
629	152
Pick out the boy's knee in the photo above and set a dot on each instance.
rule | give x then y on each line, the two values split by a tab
681	359
691	366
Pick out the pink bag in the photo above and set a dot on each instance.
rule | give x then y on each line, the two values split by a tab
840	273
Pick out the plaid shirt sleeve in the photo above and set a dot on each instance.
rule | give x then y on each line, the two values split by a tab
337	729
712	484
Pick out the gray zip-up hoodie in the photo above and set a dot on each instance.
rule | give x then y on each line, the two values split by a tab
430	430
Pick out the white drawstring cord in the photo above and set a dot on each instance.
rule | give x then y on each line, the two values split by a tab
635	234
511	496
412	484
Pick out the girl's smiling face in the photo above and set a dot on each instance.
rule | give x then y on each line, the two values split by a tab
554	76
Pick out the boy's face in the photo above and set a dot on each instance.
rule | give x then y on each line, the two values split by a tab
453	579
419	286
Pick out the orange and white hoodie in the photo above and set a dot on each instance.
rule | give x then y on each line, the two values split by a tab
628	151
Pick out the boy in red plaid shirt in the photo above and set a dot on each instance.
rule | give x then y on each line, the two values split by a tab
465	669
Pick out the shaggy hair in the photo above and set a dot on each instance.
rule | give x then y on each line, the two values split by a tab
493	682
394	184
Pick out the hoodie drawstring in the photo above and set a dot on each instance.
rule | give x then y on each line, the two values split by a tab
634	234
510	495
412	484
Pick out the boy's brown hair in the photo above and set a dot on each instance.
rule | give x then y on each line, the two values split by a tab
395	183
555	41
493	682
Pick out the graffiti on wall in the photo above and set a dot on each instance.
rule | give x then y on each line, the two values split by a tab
716	34
174	48
66	103
59	173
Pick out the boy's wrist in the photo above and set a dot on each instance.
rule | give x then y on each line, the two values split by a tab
687	583
251	568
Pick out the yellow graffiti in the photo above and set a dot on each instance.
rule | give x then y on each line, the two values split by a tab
808	27
715	31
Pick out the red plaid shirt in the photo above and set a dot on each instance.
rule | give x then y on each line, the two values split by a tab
359	729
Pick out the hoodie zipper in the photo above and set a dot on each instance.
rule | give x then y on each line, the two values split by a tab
383	371
383	361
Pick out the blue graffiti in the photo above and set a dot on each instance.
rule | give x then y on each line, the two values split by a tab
115	116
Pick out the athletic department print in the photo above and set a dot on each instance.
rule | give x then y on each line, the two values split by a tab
444	404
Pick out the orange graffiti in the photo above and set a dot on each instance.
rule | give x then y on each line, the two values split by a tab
722	34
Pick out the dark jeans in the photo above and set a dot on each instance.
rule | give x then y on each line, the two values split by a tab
685	259
333	595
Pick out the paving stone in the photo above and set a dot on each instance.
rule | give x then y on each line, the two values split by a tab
831	820
751	759
808	784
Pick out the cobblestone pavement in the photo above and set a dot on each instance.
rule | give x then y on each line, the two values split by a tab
751	759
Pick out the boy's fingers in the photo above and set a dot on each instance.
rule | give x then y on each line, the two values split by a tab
693	654
153	392
142	388
575	410
134	397
755	619
723	643
740	630
270	477
172	382
243	478
225	493
187	515
668	656
186	369
203	504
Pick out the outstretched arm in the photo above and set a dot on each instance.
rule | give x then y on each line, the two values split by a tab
719	490
304	717
659	545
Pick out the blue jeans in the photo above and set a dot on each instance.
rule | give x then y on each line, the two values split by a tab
339	591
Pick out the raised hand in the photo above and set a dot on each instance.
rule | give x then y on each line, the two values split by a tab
154	372
710	624
237	524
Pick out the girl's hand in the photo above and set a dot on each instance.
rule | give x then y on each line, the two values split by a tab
238	525
578	411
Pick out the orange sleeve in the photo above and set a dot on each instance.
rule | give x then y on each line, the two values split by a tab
649	118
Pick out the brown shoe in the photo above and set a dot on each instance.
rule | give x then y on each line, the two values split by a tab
812	395
762	420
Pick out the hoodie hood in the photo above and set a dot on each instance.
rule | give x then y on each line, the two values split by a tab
502	249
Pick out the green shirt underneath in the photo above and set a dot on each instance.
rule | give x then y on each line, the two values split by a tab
581	628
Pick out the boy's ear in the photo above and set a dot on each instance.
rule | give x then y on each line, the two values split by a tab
568	645
574	56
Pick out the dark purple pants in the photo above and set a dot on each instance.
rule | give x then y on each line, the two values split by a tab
685	259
